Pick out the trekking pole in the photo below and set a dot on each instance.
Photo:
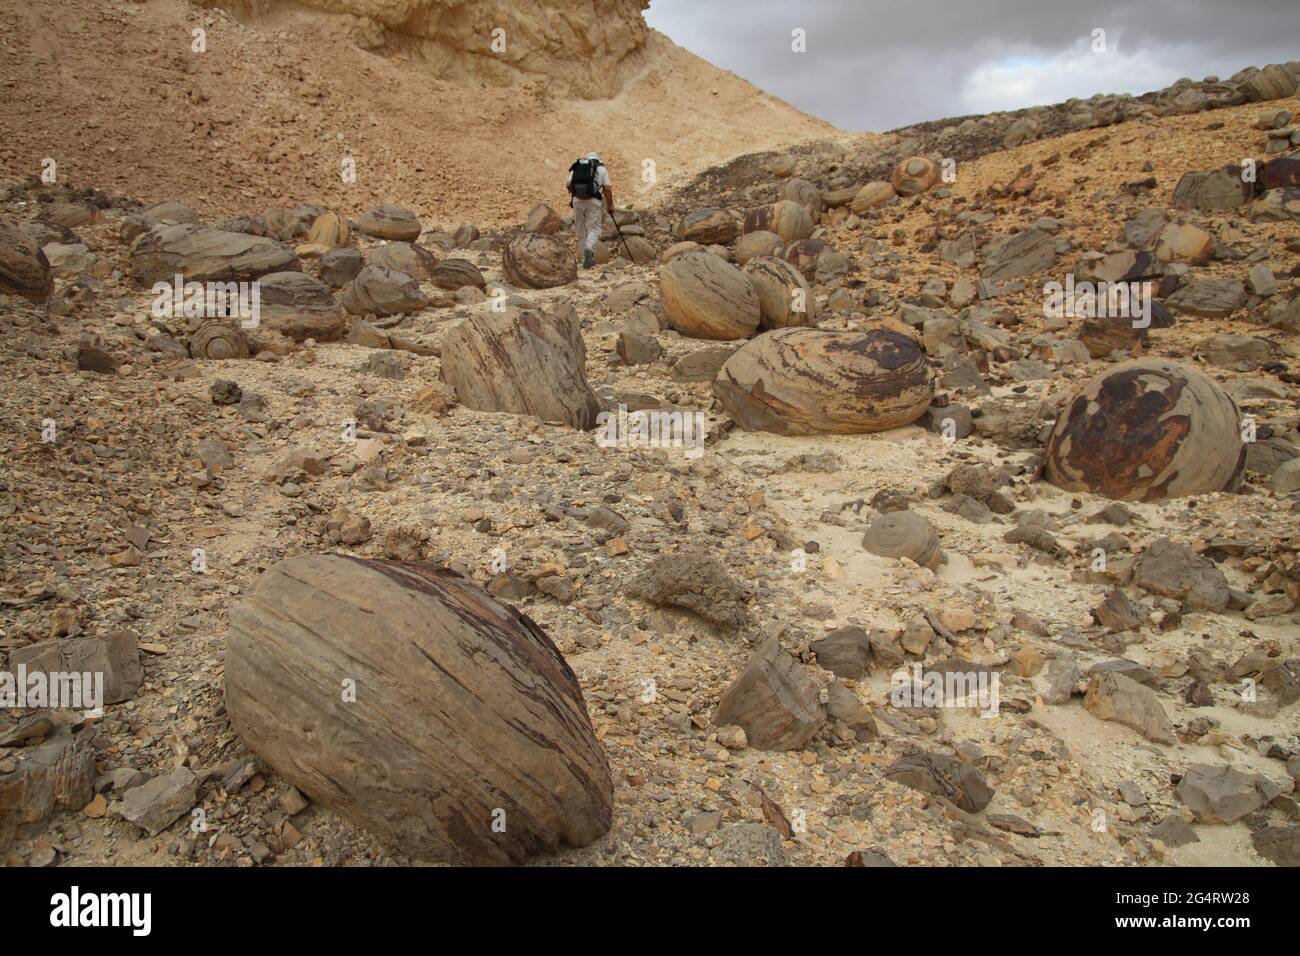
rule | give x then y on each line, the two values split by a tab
620	236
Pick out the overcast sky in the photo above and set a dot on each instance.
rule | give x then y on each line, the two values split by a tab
877	66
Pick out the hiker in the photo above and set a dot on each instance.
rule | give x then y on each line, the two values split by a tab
588	188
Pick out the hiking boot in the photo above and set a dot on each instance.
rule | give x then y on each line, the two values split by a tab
588	258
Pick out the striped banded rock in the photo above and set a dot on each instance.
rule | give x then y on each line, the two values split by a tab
533	260
784	297
914	175
408	700
299	307
1146	430
452	274
804	193
904	534
706	298
542	218
219	339
206	255
522	363
708	227
24	269
813	382
788	219
389	221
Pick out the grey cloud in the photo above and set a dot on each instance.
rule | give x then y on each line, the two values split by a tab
873	65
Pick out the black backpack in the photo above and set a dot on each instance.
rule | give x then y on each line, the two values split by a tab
582	184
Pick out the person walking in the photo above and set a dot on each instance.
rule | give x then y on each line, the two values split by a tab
590	194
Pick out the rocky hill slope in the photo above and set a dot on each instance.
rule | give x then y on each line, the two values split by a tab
412	97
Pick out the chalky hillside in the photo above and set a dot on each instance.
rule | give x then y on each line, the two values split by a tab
924	497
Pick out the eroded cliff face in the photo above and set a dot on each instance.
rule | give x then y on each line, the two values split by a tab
579	48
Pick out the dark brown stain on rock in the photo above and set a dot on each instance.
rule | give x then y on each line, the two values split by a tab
1129	433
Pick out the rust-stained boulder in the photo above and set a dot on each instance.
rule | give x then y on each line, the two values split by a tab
410	701
706	297
914	175
534	260
784	298
1280	173
810	382
788	219
1146	430
708	227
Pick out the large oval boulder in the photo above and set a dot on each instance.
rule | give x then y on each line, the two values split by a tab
811	382
299	307
706	297
202	255
379	290
410	701
219	339
416	261
870	196
753	244
452	274
803	192
788	219
708	227
1146	430
803	255
784	298
914	175
534	260
387	221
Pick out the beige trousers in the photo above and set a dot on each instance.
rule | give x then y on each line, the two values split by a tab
588	220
